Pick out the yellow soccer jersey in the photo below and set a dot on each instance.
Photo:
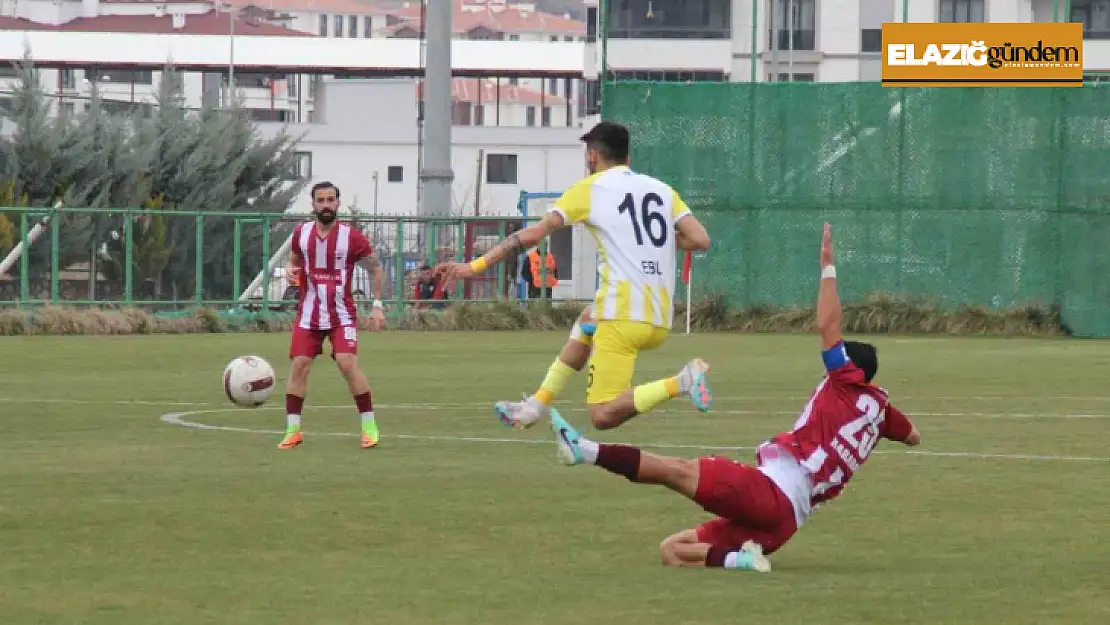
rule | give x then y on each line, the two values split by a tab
632	217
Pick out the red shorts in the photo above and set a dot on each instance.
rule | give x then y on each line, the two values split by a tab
749	504
310	343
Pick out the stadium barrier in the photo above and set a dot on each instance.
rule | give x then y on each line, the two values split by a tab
167	260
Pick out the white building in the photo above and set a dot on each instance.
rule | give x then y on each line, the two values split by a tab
807	40
376	166
289	97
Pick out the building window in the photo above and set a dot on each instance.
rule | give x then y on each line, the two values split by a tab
668	75
501	168
323	25
795	25
871	40
1095	17
120	76
67	78
553	86
338	25
591	25
479	115
367	27
785	77
302	166
960	11
592	98
352	26
530	116
395	173
545	116
668	19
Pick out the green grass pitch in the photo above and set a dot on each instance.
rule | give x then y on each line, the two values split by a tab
111	515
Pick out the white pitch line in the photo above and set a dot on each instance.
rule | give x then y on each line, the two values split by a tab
179	419
487	405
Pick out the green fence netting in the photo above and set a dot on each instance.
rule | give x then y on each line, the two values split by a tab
990	197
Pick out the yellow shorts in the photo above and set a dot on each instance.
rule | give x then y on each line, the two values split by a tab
617	344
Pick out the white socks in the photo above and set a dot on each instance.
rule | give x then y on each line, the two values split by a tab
589	450
293	422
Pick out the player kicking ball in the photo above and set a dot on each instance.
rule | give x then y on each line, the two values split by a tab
760	508
639	224
322	262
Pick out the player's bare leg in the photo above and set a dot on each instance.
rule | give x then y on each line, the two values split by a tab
359	386
571	360
690	382
678	474
685	549
295	390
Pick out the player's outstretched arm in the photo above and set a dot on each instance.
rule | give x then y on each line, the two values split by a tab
899	428
828	300
511	246
691	234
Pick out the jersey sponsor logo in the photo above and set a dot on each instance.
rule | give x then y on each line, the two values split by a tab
323	277
651	267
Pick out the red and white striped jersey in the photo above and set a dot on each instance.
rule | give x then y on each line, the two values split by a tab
325	300
840	426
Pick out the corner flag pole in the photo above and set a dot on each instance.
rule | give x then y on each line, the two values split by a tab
687	275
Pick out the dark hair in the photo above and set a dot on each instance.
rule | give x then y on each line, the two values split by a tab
323	185
425	267
864	356
610	139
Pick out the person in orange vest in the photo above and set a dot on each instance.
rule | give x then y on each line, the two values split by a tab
531	272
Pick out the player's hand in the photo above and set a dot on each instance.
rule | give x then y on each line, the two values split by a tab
455	271
293	274
377	319
828	257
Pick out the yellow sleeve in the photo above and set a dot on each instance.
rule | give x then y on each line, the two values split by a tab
574	204
679	209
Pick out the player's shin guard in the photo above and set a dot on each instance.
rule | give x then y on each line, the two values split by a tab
647	397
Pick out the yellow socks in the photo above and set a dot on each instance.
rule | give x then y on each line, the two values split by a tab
647	396
557	377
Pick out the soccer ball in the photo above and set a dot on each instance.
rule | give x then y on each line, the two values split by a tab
249	381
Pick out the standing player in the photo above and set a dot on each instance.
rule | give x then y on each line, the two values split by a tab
322	261
759	509
634	219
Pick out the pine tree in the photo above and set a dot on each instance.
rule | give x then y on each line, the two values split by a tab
174	159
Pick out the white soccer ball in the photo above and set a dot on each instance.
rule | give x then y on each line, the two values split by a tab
249	381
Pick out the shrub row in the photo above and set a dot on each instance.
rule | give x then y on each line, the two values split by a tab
879	313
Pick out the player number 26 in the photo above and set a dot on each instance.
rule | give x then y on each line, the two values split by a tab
653	222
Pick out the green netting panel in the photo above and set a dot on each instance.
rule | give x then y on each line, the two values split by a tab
993	197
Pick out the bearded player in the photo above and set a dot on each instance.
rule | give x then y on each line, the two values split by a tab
639	223
760	508
322	261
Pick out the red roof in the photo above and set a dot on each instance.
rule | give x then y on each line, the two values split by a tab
466	90
210	23
502	18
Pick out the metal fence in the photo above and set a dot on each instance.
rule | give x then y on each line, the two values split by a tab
169	260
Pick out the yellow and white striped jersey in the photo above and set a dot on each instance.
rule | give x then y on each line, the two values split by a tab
632	217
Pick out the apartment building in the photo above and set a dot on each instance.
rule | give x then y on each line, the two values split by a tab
797	40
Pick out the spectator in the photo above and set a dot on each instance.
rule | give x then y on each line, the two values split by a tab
429	286
532	272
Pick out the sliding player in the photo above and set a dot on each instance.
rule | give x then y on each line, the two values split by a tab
760	508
